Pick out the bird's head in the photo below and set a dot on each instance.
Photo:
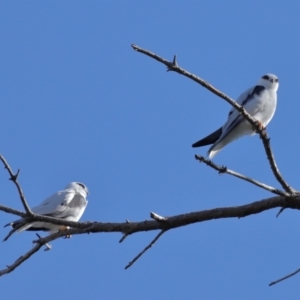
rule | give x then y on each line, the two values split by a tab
79	187
269	81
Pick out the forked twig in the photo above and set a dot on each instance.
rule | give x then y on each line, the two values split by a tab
14	179
173	66
148	247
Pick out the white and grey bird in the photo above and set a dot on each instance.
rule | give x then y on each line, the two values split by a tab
68	204
259	101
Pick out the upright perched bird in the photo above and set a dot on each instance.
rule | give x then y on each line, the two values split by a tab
259	101
68	204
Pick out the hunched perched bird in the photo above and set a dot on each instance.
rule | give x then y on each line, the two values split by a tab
259	101
68	204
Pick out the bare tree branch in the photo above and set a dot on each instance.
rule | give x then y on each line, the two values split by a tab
21	259
172	221
173	66
287	199
128	228
148	247
148	225
39	243
285	277
14	179
223	169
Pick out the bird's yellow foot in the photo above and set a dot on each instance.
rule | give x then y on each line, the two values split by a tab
63	228
260	126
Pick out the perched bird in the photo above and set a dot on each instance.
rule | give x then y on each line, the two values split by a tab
68	204
259	101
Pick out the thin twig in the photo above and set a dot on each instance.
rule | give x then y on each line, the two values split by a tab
148	247
10	234
266	141
285	277
273	165
21	259
38	245
125	235
222	169
14	179
13	211
280	211
48	246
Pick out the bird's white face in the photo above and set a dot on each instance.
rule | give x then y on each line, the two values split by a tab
269	81
79	187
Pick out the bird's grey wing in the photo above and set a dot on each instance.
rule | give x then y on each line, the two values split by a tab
55	204
247	100
234	117
71	209
210	139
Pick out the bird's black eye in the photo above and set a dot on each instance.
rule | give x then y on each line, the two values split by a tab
276	80
266	77
82	185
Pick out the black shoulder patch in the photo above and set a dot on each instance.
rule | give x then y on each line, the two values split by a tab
256	91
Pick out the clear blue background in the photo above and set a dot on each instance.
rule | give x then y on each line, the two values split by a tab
78	104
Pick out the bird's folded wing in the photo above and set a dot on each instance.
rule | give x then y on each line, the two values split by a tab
55	204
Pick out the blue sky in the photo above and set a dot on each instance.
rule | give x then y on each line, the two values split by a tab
78	104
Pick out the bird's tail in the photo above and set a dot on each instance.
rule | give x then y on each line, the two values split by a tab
208	140
212	153
19	225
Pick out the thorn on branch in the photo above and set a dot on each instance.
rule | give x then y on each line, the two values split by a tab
223	170
158	218
134	47
14	177
172	65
